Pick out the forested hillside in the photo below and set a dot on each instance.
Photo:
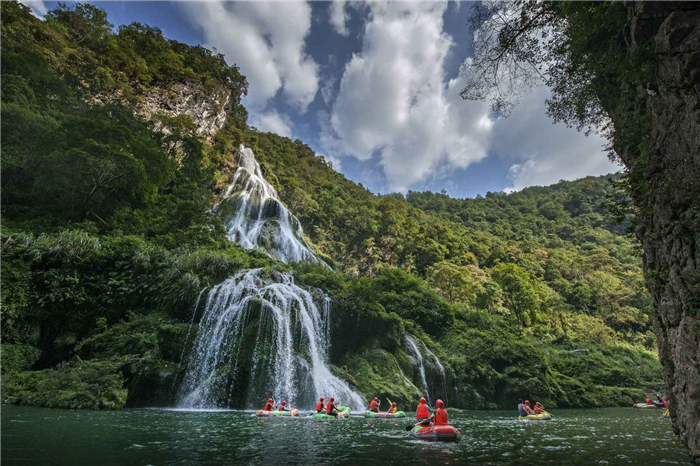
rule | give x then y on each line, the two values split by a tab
107	240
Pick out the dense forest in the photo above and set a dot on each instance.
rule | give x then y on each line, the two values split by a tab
107	239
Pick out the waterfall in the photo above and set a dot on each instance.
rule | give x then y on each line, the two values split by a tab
290	345
260	334
413	344
441	369
256	218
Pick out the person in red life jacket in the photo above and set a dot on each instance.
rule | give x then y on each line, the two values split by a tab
527	407
374	405
283	406
393	409
440	417
666	401
270	405
539	409
330	408
319	406
422	412
648	400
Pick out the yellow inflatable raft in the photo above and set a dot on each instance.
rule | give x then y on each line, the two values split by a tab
545	416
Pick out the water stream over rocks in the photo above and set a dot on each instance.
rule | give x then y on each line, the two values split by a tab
256	218
437	369
260	334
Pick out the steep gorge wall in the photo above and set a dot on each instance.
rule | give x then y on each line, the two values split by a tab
667	191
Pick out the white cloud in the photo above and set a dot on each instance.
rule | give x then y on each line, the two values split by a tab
335	162
39	8
273	122
544	153
395	102
339	17
393	99
266	40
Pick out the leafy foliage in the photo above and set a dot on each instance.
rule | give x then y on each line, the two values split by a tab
108	239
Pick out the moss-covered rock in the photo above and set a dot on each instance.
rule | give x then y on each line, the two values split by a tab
377	373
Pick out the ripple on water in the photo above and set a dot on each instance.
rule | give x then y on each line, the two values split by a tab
169	437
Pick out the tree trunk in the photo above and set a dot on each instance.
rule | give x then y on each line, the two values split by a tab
665	180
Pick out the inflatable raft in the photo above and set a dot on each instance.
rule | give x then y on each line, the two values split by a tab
261	413
372	414
437	433
545	416
646	406
343	411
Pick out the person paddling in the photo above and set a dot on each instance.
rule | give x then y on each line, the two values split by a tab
283	406
539	408
422	411
270	405
393	409
331	409
319	406
374	405
440	417
528	409
521	408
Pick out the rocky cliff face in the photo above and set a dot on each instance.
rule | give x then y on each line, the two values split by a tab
667	192
207	108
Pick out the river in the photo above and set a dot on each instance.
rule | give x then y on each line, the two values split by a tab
615	436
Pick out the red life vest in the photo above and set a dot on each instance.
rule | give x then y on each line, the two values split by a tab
373	405
319	406
280	408
393	409
422	411
329	407
268	407
440	417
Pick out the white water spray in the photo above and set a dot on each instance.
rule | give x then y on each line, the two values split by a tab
256	218
290	358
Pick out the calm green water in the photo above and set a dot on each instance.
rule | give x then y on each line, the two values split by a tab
32	436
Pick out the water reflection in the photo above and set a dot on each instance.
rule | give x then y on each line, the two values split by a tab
33	436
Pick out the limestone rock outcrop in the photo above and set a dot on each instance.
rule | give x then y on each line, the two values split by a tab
207	108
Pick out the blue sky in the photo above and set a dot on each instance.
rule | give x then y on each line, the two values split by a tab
374	87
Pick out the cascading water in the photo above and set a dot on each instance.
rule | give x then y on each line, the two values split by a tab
256	218
419	357
260	334
441	369
414	346
290	357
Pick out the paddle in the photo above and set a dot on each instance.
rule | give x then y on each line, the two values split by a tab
419	423
411	426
